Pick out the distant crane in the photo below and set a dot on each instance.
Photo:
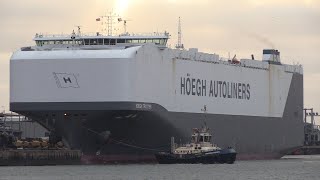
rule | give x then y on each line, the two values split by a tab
179	45
311	130
311	114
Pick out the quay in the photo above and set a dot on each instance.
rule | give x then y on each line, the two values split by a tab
16	157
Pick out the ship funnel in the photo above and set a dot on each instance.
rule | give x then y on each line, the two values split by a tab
271	55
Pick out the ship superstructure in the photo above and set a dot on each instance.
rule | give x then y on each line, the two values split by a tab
140	93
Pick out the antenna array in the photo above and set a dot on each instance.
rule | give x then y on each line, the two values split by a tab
179	45
109	21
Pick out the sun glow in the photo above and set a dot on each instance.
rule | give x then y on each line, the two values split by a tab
122	6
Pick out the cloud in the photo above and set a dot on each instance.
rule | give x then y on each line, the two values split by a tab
284	3
312	90
4	79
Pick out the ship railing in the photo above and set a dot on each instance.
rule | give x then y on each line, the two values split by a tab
213	58
294	68
194	55
146	34
254	64
65	35
94	34
246	63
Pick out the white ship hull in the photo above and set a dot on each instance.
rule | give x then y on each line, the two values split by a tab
255	107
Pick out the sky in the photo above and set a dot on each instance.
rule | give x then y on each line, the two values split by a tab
241	27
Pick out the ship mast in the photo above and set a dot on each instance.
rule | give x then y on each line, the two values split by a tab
204	110
110	17
179	45
109	21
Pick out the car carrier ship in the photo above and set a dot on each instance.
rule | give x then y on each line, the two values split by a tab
122	96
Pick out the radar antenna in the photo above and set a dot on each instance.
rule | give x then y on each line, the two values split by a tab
124	24
79	30
179	45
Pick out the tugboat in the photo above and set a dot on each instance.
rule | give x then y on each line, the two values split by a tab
200	150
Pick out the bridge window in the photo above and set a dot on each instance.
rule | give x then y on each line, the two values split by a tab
100	41
86	42
106	41
135	41
120	41
163	42
93	41
112	42
156	41
67	42
80	42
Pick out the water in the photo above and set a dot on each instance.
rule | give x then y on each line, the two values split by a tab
306	168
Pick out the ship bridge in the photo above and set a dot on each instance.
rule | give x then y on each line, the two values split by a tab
98	41
201	135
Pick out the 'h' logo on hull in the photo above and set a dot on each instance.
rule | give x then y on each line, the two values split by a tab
65	80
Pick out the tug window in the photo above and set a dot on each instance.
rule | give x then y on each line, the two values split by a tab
207	139
194	139
201	138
